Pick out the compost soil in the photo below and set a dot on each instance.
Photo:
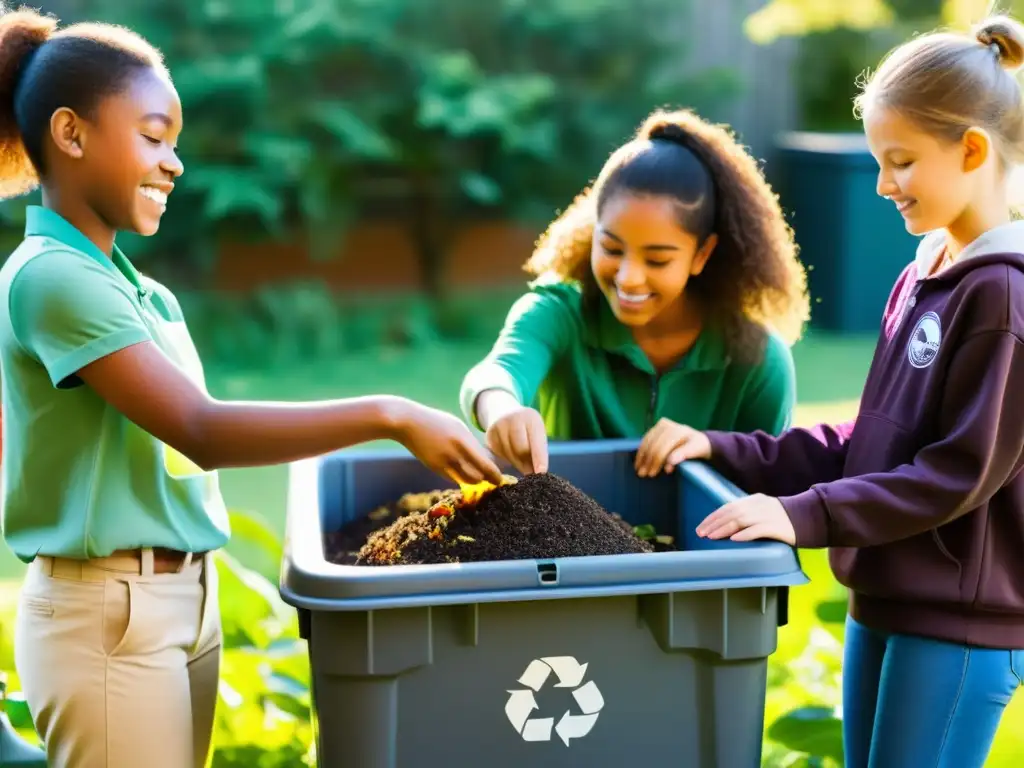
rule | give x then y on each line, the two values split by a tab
540	516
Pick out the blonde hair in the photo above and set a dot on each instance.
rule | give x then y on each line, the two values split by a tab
947	82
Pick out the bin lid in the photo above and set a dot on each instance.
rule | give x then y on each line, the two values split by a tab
836	148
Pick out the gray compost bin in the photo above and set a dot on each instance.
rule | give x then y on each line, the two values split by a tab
651	659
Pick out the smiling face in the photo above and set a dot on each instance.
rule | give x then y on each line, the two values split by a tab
928	178
642	259
129	153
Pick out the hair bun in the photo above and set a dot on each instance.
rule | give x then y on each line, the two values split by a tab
669	131
1007	36
22	32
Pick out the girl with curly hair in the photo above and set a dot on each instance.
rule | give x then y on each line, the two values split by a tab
666	294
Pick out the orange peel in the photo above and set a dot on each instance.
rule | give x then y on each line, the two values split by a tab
471	494
441	509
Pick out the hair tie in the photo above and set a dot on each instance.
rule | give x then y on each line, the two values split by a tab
21	74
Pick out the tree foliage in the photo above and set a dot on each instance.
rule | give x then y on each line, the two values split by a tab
303	116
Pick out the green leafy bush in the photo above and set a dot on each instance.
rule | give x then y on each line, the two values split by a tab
811	733
263	713
835	51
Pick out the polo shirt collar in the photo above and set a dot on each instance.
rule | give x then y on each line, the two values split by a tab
708	353
48	223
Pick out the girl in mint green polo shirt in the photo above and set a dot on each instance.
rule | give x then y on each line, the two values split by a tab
667	294
111	440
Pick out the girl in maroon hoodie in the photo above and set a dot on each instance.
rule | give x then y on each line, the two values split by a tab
921	499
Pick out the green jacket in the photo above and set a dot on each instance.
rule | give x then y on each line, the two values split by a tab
590	380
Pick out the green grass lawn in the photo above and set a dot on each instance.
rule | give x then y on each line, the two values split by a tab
830	370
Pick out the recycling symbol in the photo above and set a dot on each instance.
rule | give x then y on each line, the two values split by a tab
569	673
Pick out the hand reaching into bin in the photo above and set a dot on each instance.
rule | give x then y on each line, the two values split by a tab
147	387
444	444
515	432
667	445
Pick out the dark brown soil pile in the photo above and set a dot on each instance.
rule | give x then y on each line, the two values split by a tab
540	516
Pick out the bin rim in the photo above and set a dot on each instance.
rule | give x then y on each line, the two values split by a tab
309	581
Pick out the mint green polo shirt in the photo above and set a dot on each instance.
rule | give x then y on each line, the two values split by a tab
80	479
590	380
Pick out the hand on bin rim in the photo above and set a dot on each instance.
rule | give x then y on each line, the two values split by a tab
749	518
667	445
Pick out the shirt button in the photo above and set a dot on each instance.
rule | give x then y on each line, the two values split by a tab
913	302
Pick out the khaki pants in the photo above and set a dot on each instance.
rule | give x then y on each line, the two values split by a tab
119	664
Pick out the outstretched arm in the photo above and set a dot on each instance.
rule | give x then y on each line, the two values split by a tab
78	318
979	448
149	389
783	465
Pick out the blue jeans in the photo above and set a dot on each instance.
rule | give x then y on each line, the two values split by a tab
913	702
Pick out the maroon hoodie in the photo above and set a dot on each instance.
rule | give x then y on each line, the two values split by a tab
921	499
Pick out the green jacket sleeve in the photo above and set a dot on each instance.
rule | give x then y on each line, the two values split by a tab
537	330
68	311
770	395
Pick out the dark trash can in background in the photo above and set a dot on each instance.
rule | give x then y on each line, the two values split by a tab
645	659
852	241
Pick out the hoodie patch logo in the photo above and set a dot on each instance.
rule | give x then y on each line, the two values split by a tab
924	341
